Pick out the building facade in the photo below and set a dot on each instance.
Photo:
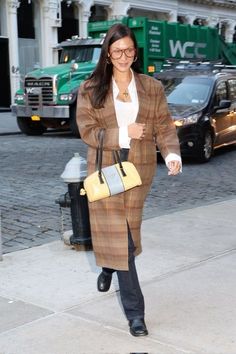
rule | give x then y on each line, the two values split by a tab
31	29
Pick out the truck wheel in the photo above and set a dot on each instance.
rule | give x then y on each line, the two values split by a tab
206	147
73	124
28	127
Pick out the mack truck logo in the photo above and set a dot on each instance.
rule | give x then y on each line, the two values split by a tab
38	83
187	49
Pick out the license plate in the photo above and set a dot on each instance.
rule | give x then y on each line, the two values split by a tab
35	118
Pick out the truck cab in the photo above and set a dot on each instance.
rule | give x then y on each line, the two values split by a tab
48	96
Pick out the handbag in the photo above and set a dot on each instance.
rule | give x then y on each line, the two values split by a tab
110	180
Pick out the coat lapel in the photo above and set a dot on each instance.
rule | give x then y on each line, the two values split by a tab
143	98
110	110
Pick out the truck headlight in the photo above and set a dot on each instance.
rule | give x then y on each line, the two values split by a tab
19	97
188	120
66	97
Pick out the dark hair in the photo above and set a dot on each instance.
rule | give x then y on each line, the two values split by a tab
100	80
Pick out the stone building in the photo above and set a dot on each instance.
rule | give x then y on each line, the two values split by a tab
31	29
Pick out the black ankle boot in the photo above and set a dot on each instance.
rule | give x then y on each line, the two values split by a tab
138	327
104	281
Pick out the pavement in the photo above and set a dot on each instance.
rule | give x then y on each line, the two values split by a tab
8	124
49	303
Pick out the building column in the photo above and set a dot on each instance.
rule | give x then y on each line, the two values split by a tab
212	22
172	16
190	19
83	23
49	38
118	10
229	31
84	14
12	31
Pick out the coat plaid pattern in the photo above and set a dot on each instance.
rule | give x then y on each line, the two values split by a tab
109	217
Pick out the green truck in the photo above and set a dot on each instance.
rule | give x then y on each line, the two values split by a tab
48	96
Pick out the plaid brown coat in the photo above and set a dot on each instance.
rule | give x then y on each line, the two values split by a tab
108	217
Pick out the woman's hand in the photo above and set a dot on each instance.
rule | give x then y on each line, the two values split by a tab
137	131
174	167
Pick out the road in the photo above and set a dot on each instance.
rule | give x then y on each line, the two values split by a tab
30	184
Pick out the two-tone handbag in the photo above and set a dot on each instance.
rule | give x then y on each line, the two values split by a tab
110	180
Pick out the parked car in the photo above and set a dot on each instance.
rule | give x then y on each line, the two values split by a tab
202	101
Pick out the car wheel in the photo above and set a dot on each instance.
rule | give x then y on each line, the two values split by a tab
28	127
206	147
73	124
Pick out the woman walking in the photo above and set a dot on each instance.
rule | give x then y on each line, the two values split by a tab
132	109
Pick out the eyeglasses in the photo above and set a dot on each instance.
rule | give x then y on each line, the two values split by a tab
117	53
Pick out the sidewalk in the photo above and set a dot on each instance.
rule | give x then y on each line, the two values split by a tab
8	124
49	303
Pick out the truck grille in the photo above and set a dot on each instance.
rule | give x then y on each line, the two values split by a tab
39	91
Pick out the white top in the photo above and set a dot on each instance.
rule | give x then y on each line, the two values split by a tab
126	114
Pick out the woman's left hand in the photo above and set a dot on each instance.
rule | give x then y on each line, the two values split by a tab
174	167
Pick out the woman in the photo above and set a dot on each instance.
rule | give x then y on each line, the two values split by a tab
132	109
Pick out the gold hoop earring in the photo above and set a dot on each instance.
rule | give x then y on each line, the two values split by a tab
135	59
108	60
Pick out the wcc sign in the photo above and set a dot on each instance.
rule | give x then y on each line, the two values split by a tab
187	50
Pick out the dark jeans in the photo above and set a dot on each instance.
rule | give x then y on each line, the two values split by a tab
130	291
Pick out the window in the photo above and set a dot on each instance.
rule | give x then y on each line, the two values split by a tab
80	54
190	91
221	92
232	89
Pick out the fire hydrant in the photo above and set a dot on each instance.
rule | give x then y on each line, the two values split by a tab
74	175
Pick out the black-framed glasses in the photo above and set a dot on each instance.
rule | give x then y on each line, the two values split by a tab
117	53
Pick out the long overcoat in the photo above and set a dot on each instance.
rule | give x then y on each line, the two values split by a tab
109	217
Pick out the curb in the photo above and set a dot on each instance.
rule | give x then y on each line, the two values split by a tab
10	133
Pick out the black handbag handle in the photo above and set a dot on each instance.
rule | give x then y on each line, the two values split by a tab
100	150
117	159
99	154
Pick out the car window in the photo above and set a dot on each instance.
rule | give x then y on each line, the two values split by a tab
221	92
232	89
188	92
